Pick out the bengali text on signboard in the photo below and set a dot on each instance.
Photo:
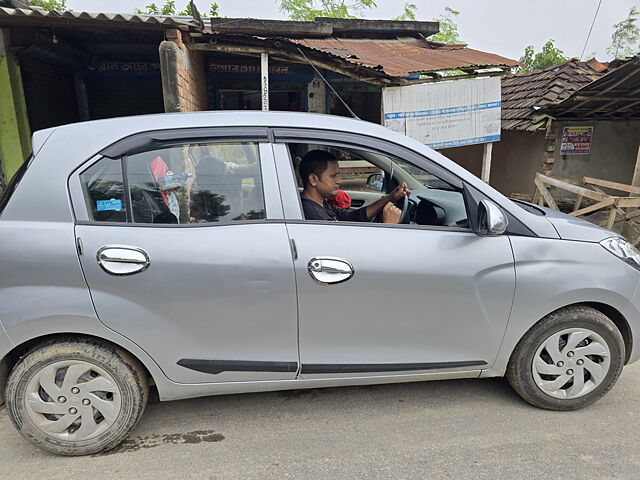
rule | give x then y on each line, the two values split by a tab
576	140
445	114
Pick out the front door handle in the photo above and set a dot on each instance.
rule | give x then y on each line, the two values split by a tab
329	270
122	259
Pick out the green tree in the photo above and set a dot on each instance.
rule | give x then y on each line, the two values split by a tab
625	40
409	12
169	8
308	10
58	5
448	28
549	56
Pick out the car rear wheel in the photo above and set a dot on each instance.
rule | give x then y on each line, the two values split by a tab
76	397
568	360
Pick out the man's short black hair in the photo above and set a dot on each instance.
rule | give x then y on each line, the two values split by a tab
314	161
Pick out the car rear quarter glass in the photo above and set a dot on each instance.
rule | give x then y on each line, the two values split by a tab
103	188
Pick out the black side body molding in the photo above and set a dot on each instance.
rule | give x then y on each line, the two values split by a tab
218	366
385	367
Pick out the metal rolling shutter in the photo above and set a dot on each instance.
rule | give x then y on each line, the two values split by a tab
50	93
116	97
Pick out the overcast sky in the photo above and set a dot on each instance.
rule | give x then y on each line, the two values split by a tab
504	27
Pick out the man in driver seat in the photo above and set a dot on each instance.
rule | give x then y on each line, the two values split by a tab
320	180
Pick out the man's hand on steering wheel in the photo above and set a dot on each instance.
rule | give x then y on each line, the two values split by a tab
399	193
391	213
400	197
395	206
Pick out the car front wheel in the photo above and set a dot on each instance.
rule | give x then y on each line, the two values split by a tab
568	360
76	396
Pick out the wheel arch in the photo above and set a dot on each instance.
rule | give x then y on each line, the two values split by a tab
13	356
516	333
619	321
610	312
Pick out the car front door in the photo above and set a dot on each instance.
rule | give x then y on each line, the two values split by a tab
377	299
186	254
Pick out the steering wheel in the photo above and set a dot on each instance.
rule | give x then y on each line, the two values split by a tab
404	216
403	205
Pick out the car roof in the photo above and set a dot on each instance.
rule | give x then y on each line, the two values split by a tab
116	128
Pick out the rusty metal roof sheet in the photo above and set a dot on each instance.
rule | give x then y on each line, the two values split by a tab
40	14
403	56
522	92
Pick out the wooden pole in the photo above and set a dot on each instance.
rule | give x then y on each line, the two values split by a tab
264	73
15	133
486	162
636	172
627	226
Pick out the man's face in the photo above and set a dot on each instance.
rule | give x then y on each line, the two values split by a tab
329	182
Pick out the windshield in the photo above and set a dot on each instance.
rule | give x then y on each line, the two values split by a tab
422	176
529	207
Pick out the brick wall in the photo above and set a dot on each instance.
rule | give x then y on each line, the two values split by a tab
184	83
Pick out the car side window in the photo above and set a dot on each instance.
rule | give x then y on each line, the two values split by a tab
196	183
103	189
366	176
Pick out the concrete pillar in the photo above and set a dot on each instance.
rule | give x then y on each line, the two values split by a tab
15	134
184	83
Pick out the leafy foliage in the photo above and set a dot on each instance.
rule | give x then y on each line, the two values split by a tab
625	40
549	56
448	29
409	12
49	5
169	8
308	10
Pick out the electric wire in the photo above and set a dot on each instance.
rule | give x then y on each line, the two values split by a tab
329	85
592	24
351	112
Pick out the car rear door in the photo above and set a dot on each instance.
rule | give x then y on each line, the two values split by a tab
186	254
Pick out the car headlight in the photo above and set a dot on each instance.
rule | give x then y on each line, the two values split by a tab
623	250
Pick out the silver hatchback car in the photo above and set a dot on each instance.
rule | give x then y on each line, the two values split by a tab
172	250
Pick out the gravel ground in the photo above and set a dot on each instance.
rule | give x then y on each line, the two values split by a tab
454	429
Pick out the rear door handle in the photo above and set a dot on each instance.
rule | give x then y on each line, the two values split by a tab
122	259
330	270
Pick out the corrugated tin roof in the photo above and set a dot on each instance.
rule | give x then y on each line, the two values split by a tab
522	92
403	56
36	13
394	57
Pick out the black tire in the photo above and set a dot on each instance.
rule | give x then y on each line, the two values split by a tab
129	377
520	370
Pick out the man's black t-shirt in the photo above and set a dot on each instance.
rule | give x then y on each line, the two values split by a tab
326	212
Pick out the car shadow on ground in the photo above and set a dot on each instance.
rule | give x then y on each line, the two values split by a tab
206	419
442	394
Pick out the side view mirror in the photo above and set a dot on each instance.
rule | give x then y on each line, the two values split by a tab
375	182
491	219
